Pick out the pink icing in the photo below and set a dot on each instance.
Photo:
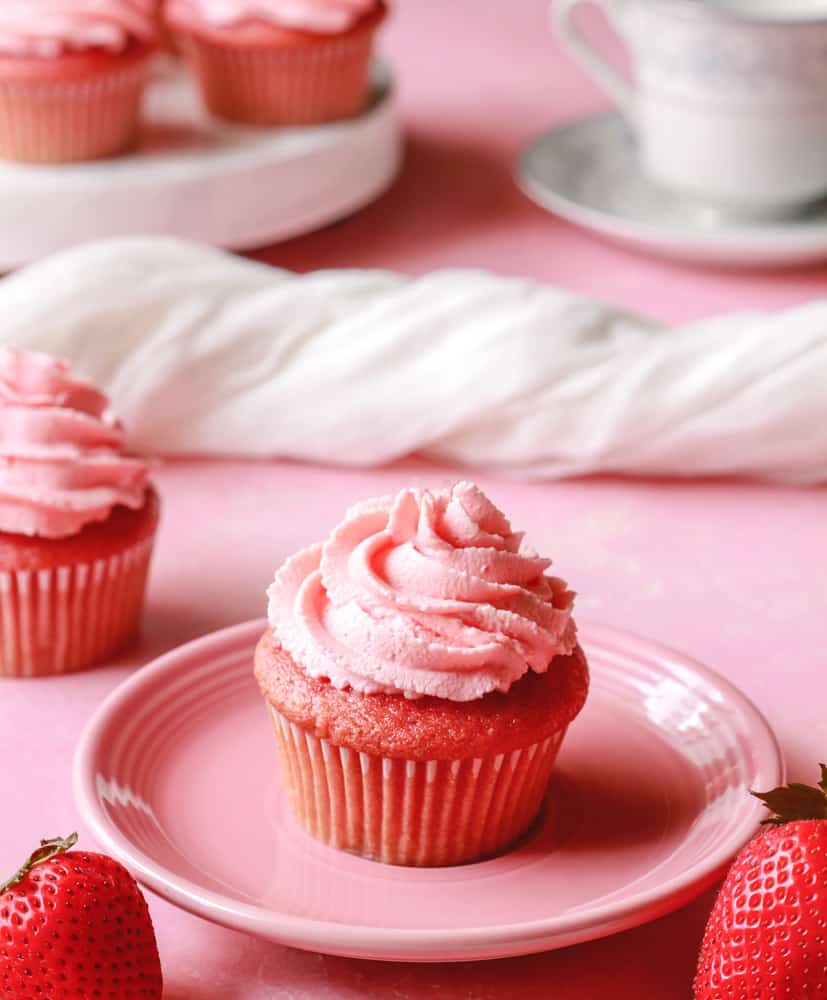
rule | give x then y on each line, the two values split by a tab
320	16
51	27
424	593
61	451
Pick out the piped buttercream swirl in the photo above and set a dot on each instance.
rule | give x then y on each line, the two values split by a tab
320	16
422	593
51	27
62	461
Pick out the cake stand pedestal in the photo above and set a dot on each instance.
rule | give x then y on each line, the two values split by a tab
193	177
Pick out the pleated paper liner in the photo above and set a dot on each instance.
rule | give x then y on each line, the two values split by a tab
407	812
322	81
85	116
70	603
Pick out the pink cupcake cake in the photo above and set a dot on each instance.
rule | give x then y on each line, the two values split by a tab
72	73
421	670
77	522
165	40
279	62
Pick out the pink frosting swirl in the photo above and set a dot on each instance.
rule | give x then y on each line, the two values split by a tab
320	16
51	27
424	593
61	451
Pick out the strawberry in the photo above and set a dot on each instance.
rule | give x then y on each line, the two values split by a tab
767	935
74	926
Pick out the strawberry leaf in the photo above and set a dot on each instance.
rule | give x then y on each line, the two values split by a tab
796	801
48	849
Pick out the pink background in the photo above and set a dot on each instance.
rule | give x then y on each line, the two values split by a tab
732	574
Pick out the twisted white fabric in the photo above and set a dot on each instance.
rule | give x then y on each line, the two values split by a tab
204	353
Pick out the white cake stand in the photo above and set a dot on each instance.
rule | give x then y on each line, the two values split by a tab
231	186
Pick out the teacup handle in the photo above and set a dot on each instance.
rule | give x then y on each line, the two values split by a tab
620	90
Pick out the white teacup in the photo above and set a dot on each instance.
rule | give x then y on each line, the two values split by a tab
729	102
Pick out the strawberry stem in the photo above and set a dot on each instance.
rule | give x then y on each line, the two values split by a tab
796	801
48	849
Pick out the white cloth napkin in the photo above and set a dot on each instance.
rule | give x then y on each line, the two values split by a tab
205	353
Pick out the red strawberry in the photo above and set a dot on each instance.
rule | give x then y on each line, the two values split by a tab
767	935
74	926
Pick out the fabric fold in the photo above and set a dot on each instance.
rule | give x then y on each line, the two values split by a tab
205	353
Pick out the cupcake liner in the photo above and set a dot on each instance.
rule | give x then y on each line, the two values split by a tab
163	33
282	85
54	621
407	812
60	121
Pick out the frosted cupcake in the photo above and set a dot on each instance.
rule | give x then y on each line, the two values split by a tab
420	670
165	40
279	62
77	522
72	73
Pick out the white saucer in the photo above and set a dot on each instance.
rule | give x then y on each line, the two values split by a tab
587	171
232	186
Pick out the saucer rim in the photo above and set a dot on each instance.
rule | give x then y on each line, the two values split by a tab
494	940
763	243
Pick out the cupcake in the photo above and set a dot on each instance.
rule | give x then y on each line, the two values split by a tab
164	37
420	669
77	522
279	62
72	73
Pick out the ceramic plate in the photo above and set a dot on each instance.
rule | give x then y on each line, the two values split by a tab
177	776
196	178
587	171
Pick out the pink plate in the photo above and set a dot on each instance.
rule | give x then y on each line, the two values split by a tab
177	776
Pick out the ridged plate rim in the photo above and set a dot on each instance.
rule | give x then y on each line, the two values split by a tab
417	944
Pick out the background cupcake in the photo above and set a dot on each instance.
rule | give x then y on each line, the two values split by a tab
77	521
164	37
72	73
421	670
279	62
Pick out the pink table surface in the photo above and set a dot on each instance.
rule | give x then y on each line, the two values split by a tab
733	574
